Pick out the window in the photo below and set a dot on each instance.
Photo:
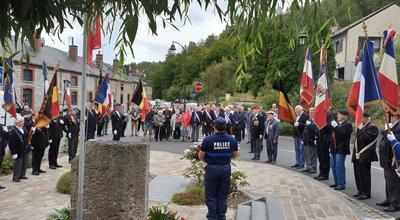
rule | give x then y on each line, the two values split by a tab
28	75
27	96
74	98
375	40
122	98
74	81
122	87
90	96
339	46
341	73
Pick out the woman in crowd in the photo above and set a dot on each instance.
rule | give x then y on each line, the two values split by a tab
186	117
176	123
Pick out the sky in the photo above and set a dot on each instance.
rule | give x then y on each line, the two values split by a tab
148	47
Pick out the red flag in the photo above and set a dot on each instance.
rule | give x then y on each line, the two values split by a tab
94	38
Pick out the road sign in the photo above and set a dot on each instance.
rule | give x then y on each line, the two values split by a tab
198	86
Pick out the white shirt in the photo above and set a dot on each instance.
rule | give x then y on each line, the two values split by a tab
20	129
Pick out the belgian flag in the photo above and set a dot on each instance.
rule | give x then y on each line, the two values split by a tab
49	109
140	99
285	109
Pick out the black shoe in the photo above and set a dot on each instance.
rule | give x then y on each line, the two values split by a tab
322	178
384	203
257	158
357	195
364	197
333	185
312	172
42	171
254	158
300	167
391	209
306	170
23	178
53	167
58	166
2	187
339	188
250	152
35	173
16	180
294	166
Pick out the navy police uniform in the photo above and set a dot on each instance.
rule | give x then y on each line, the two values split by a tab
219	149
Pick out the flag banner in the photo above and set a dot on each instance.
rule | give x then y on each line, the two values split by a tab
285	109
45	78
49	109
67	94
9	101
94	38
140	99
354	93
307	83
370	91
103	97
322	100
388	73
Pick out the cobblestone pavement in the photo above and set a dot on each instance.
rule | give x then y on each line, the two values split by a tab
300	196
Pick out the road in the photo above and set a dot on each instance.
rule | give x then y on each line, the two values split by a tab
286	158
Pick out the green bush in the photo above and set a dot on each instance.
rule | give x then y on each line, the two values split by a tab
64	183
192	196
7	166
60	214
286	129
161	212
238	179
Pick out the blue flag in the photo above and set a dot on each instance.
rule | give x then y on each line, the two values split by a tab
372	89
102	92
9	102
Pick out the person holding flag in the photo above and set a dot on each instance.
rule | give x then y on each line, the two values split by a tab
307	83
9	99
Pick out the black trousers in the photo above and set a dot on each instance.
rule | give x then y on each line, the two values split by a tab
243	133
53	152
207	130
323	158
258	146
20	166
100	129
2	153
167	129
392	187
272	150
37	156
72	147
158	131
238	134
362	175
117	136
90	135
124	124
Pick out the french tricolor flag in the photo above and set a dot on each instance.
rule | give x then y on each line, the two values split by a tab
370	90
352	100
388	73
307	83
322	101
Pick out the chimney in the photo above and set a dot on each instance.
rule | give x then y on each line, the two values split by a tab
115	62
37	43
73	51
99	60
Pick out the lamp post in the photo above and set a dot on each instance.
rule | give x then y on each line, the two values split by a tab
302	38
172	50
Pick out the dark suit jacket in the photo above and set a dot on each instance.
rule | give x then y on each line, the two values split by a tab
55	130
364	136
342	136
91	120
273	130
385	150
196	120
239	120
258	125
18	142
116	121
324	135
298	131
3	139
209	118
40	139
310	135
70	126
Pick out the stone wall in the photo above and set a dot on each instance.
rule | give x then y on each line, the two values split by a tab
116	181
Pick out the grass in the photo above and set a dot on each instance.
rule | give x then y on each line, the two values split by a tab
60	214
64	183
192	196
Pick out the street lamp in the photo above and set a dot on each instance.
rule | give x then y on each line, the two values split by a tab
302	38
172	50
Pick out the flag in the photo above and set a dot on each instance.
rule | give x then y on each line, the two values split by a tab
49	109
370	90
45	77
94	38
322	100
352	99
388	73
140	99
9	101
67	94
103	97
285	109
307	83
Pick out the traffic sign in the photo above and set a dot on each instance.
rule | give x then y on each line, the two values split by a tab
198	87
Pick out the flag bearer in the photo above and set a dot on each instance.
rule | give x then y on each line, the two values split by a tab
117	122
55	135
40	141
19	148
71	129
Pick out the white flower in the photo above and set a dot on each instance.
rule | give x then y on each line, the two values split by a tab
186	151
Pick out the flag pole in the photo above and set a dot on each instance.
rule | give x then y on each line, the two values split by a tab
81	177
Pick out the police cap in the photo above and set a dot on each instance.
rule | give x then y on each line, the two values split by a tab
343	112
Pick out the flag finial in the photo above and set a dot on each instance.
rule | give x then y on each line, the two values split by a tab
365	28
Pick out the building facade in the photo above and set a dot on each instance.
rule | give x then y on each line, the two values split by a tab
349	39
29	81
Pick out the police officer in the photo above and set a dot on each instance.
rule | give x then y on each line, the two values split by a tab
116	122
40	140
258	128
19	148
217	151
364	152
388	163
55	135
3	145
71	129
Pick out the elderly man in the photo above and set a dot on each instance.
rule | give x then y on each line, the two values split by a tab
271	137
340	149
258	129
310	144
239	119
300	122
71	129
19	148
364	152
195	123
